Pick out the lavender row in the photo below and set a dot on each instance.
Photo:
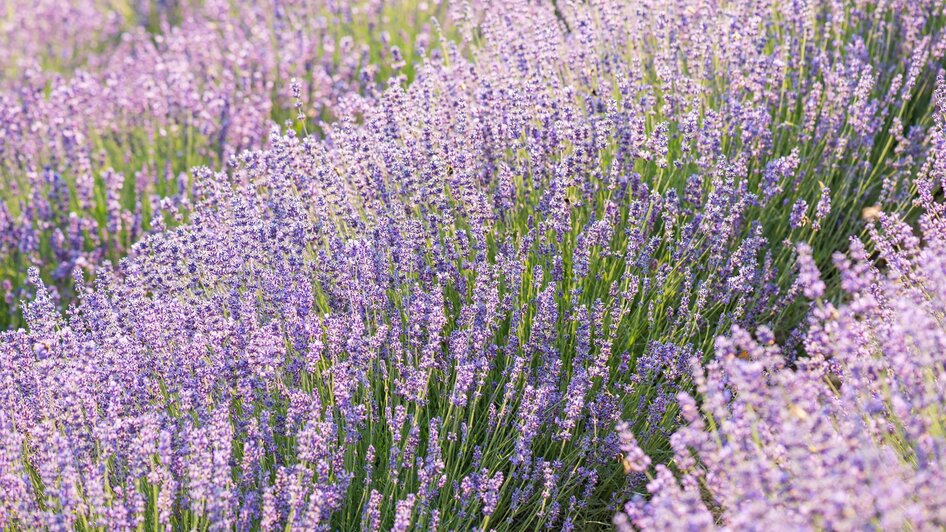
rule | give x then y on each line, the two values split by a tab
437	315
101	122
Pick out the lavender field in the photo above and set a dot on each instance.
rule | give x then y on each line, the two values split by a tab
473	265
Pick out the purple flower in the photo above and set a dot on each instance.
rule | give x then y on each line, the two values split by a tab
809	278
798	216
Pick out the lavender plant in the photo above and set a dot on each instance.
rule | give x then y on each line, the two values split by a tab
435	314
849	436
850	439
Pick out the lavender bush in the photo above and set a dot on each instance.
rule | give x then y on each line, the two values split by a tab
849	437
473	298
